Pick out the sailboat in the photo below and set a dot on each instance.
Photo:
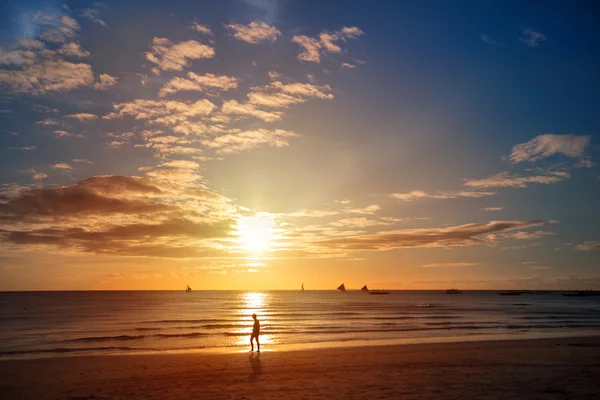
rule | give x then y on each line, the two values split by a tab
364	288
342	287
188	288
302	288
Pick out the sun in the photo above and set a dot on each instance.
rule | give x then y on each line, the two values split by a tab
255	234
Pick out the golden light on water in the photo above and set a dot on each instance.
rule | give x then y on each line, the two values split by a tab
253	303
256	234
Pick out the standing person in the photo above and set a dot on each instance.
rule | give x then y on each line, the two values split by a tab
255	333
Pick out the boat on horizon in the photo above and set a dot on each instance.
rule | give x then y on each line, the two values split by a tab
453	291
582	293
510	293
188	288
378	292
364	288
302	288
342	288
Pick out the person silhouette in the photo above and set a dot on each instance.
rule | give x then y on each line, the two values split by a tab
255	333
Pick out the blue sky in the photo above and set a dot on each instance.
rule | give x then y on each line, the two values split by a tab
255	144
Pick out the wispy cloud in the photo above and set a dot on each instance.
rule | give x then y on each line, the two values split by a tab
492	209
255	32
588	246
25	148
487	39
544	146
171	56
505	179
247	140
417	194
325	43
205	30
83	117
104	82
532	38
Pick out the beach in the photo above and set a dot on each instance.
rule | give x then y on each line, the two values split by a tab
565	368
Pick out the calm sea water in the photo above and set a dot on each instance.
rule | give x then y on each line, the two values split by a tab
43	324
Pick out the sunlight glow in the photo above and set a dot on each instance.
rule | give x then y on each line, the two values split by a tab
255	234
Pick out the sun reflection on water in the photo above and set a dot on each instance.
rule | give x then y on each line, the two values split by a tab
253	303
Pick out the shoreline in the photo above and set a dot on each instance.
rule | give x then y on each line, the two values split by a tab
500	337
516	369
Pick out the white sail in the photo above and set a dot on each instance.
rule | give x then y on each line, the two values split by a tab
364	288
341	287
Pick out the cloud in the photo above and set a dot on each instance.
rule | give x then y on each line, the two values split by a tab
93	15
198	83
72	50
104	82
452	236
82	160
504	179
532	38
62	166
346	65
83	117
162	112
47	76
488	40
492	209
205	30
26	148
360	222
544	146
588	246
175	57
251	139
35	175
417	194
233	107
313	47
450	264
59	133
255	32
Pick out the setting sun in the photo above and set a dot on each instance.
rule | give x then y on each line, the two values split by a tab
255	234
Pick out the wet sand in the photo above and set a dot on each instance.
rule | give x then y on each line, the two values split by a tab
515	369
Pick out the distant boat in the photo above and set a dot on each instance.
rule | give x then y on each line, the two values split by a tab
510	293
582	293
342	287
364	288
188	288
302	288
378	292
453	291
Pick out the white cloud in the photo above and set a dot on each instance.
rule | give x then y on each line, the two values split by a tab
532	38
198	83
544	146
35	175
418	194
346	65
251	139
26	148
233	107
504	179
175	57
313	47
105	81
58	75
82	161
62	166
83	117
255	32
163	112
72	50
93	15
201	28
492	209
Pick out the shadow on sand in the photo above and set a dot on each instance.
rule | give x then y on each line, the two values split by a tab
254	359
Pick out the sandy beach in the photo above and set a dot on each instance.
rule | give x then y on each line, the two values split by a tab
520	369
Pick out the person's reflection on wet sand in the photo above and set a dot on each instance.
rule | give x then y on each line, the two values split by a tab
254	359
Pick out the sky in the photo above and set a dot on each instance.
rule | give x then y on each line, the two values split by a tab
262	144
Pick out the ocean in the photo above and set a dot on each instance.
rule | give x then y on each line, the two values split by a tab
58	324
